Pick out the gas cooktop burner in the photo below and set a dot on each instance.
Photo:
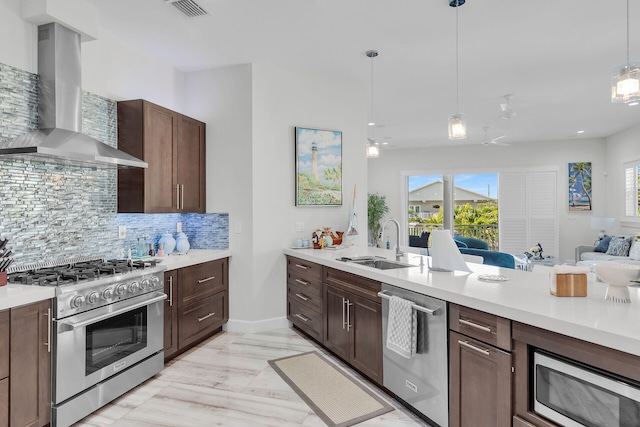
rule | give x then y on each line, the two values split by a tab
76	272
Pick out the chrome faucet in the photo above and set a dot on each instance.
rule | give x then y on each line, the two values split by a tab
399	253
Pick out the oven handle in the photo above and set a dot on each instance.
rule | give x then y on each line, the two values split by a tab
70	326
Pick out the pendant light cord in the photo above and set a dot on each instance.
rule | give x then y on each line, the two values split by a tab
372	115
457	73
627	32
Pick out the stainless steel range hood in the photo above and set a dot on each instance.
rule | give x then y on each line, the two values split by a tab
59	139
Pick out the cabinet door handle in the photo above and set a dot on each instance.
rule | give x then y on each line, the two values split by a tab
182	197
473	347
304	267
301	317
170	291
200	319
207	279
474	325
302	297
177	196
343	313
48	343
349	325
302	282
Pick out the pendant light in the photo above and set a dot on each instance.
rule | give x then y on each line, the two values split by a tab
373	151
625	83
457	122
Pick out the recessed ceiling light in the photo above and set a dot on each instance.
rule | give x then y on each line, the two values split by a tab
371	124
580	131
385	143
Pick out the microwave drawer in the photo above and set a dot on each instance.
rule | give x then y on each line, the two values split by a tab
485	327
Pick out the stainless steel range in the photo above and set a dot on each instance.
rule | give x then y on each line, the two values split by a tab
107	329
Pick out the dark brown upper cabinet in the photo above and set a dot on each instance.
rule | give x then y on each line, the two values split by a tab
174	147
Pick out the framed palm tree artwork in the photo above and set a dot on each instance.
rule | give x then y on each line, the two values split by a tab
318	167
580	195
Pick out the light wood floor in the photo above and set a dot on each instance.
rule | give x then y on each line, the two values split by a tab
226	381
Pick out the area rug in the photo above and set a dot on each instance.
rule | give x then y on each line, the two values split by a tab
333	396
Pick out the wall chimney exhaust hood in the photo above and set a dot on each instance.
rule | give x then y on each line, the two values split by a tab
59	139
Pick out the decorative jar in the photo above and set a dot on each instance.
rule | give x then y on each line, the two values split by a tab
182	243
169	243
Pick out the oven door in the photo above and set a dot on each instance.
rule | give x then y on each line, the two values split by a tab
92	346
575	395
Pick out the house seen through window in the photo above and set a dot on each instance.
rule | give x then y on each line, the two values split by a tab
471	203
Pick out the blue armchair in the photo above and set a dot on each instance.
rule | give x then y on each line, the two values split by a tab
473	246
499	259
470	242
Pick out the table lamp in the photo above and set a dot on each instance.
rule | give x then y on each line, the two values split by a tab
602	224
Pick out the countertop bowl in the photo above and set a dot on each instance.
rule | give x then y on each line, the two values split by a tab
617	274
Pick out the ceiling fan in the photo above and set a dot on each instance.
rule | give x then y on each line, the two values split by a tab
493	141
507	111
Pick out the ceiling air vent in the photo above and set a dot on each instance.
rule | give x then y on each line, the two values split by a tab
188	7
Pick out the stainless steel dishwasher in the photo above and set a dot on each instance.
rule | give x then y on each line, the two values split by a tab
422	381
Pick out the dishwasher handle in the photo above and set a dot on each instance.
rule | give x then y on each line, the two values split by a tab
431	311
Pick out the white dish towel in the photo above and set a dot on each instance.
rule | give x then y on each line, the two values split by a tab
402	327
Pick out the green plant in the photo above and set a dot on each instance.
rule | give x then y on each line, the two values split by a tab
376	210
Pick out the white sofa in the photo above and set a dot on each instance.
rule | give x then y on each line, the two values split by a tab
585	255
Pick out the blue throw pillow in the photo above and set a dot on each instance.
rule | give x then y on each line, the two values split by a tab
603	245
619	246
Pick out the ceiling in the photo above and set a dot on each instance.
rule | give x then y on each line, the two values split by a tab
556	57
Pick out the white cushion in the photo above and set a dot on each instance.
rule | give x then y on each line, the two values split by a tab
634	252
600	256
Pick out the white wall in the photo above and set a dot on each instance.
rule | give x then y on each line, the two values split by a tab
286	96
385	173
114	69
17	38
251	112
621	148
222	99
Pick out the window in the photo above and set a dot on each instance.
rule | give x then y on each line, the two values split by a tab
632	189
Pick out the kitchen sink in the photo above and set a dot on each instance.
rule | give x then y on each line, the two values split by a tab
379	263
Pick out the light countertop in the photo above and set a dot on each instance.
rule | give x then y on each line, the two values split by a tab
192	257
16	295
524	297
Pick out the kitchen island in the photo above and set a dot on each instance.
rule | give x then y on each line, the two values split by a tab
496	332
524	298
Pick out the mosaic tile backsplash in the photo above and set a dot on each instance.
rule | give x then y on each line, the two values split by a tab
51	211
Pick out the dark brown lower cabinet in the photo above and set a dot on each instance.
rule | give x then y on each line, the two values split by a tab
4	402
30	365
170	314
479	383
197	304
353	321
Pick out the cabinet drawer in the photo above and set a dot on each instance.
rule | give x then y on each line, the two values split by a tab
489	328
305	318
358	285
201	280
201	318
300	268
4	343
303	296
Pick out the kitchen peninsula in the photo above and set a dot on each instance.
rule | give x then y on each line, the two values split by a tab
496	328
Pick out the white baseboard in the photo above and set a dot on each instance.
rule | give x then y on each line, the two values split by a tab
244	326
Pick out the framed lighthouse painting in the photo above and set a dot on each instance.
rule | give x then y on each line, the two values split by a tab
318	167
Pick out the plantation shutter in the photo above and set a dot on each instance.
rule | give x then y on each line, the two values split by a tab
528	211
631	189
